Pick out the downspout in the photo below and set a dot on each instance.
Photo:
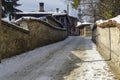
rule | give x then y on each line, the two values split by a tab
110	43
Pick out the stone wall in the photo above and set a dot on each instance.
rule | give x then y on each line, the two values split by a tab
107	37
43	33
13	40
31	34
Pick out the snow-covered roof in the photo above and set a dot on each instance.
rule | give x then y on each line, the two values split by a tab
53	13
86	23
35	12
18	20
78	24
83	24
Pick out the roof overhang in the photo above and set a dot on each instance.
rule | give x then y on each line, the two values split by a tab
82	25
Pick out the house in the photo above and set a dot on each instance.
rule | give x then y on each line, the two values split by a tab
40	13
63	19
68	22
85	28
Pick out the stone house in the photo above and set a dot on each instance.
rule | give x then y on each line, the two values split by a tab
85	28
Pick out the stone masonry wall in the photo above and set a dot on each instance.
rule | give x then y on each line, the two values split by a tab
108	43
43	33
15	39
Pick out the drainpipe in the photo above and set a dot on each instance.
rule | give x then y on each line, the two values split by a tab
110	43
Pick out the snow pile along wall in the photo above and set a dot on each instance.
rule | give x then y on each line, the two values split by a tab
30	34
107	37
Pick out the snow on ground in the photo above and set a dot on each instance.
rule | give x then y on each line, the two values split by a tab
13	64
75	58
92	66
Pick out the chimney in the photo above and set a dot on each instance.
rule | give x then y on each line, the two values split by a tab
57	10
41	5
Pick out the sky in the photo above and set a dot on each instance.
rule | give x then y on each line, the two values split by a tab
49	5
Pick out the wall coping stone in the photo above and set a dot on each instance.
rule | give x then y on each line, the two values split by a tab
113	22
30	19
14	26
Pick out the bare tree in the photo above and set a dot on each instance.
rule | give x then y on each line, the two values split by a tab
94	9
88	8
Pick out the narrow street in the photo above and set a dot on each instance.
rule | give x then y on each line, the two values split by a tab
75	58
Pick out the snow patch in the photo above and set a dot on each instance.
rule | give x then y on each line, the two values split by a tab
117	19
